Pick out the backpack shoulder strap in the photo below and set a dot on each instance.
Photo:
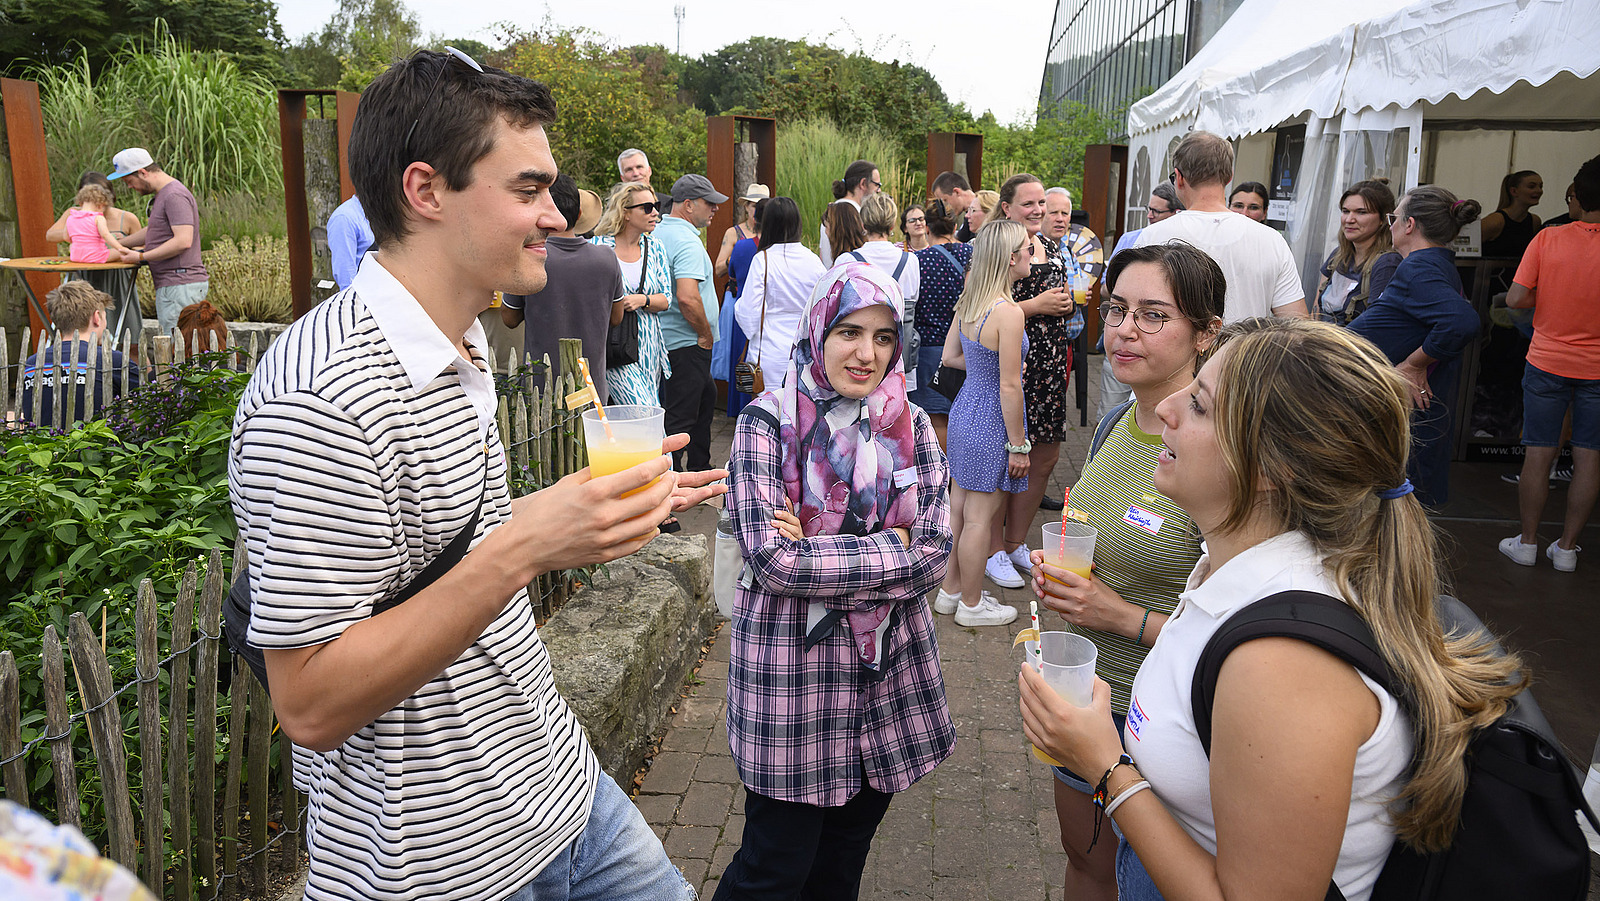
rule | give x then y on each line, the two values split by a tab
905	257
856	255
1107	423
954	263
1312	617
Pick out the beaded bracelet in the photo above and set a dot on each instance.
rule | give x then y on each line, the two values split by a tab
1100	796
1142	623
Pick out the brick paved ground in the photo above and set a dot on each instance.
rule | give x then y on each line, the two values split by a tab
981	826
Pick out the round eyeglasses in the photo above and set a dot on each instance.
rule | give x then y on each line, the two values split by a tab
1147	321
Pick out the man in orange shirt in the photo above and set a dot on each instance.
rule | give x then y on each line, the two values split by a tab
1559	277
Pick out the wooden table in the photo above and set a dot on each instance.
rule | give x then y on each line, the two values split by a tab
63	265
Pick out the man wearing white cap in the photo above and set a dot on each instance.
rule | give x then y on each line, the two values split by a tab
170	243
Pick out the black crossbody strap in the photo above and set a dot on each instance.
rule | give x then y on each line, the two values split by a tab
438	566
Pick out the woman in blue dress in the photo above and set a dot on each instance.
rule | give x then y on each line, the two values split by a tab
988	421
631	215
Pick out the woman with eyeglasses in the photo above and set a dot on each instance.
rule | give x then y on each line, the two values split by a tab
1249	199
1162	309
776	289
1359	269
1423	322
914	229
625	226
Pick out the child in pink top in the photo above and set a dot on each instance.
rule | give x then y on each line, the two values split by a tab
92	241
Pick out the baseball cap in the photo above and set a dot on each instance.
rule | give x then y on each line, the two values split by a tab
131	160
692	187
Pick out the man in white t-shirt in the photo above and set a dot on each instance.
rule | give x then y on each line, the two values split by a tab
1262	279
442	763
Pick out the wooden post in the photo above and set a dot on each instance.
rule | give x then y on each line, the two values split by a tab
57	723
151	789
239	700
16	774
178	760
260	787
106	732
5	372
39	383
205	722
722	137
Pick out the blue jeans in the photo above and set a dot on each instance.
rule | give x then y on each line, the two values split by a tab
1133	883
615	858
1546	398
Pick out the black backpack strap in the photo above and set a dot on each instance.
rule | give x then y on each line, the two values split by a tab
1107	423
1312	617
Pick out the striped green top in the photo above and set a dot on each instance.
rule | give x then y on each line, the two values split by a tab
1145	548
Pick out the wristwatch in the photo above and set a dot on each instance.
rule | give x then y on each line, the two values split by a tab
1025	447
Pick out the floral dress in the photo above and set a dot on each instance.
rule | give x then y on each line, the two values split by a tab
1048	364
639	382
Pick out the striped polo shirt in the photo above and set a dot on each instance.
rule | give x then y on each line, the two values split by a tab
360	449
1145	547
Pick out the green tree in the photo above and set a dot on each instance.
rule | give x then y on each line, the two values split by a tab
49	32
359	41
608	99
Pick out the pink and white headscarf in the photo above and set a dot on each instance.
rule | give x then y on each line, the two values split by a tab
840	455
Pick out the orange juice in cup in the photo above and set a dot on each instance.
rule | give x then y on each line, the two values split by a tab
628	436
1066	660
1069	545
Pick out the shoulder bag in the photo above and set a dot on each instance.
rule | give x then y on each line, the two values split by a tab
622	339
947	380
746	375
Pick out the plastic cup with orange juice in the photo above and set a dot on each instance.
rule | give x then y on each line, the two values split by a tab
1066	661
628	436
1069	545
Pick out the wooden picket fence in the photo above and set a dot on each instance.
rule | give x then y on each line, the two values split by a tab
196	839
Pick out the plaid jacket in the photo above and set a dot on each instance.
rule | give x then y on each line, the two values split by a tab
805	726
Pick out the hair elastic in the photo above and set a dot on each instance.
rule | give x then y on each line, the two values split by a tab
1401	490
1456	204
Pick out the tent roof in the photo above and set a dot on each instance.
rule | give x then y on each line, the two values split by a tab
1276	59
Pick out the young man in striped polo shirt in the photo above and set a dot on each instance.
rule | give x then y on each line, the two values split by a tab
441	761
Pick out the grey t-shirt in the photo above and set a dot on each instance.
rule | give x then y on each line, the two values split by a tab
174	205
576	303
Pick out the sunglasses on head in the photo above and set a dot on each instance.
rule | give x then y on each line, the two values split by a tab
650	205
453	53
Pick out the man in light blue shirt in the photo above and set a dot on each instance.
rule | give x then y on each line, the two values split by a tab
349	239
690	321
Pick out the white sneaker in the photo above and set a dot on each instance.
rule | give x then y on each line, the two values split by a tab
1566	561
1521	554
1020	559
987	612
1001	572
946	603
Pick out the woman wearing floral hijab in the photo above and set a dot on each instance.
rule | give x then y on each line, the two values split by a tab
837	498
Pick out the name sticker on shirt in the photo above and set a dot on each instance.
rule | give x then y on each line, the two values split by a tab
1144	519
904	477
1136	719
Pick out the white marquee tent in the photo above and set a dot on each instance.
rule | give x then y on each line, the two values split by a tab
1458	92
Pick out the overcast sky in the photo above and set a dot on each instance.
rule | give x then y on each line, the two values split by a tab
987	60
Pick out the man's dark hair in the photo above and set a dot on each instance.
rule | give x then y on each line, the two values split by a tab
780	223
949	183
564	191
1586	186
455	128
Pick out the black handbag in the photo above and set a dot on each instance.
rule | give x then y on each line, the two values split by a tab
948	381
622	339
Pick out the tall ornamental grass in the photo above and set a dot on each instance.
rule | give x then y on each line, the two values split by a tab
812	153
209	124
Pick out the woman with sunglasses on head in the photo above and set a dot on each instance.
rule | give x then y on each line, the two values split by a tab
988	339
1359	269
835	698
625	226
1162	310
777	287
1423	322
1314	769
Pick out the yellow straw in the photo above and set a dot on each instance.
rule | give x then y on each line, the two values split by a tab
583	364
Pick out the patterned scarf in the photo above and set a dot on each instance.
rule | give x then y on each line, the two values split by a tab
841	456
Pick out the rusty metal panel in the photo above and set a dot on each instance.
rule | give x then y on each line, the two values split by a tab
291	129
347	103
30	176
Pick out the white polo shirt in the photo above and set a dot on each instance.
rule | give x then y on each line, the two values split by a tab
1254	258
1161	734
360	449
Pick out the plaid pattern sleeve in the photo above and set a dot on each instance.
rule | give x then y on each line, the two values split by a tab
841	570
807	725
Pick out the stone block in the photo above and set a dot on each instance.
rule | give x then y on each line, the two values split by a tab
622	646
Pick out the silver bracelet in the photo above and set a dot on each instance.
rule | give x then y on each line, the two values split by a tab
1125	794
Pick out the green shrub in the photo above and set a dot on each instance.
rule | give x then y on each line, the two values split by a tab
813	153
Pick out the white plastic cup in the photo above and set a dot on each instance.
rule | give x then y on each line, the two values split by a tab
635	437
1067	665
1069	545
